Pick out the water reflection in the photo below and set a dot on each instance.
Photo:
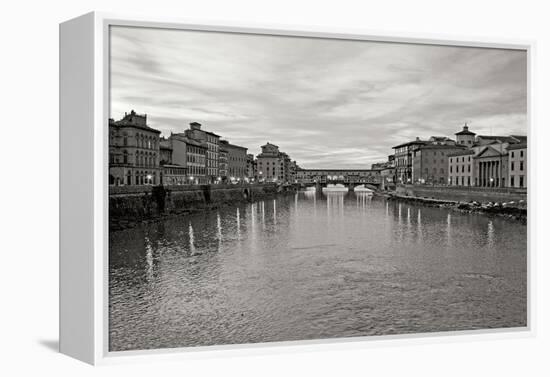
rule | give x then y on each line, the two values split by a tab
490	234
192	240
304	269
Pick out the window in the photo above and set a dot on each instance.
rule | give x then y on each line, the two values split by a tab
512	166
520	153
521	181
521	165
125	157
512	181
463	168
512	154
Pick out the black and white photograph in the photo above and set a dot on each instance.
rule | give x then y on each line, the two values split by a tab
270	188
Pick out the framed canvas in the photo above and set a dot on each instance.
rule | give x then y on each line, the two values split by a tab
234	188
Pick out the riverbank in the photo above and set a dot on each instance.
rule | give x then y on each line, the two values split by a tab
132	205
510	209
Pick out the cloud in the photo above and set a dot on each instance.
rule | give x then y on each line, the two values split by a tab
327	103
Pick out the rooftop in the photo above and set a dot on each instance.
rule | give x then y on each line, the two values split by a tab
517	146
465	131
503	139
441	146
133	120
465	152
414	142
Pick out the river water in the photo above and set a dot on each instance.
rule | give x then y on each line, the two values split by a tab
312	266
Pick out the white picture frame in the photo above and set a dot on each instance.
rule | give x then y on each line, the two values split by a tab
84	105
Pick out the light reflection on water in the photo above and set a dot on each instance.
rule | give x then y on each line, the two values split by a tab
313	266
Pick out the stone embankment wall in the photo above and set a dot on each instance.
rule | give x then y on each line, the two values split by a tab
463	194
129	205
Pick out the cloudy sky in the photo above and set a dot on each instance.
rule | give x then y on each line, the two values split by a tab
327	103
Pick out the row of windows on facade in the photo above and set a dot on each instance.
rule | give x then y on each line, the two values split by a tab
512	167
175	171
457	159
465	181
195	159
196	150
142	158
196	170
142	141
237	171
141	178
267	163
457	169
520	154
212	139
434	171
521	181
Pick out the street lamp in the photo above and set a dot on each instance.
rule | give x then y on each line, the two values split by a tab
149	178
191	179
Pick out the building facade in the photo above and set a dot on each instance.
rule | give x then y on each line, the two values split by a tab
191	155
403	155
517	168
270	164
170	174
212	141
491	166
134	152
236	162
461	168
251	168
222	163
431	163
465	137
488	160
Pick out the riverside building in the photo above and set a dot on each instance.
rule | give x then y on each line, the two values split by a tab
212	141
133	151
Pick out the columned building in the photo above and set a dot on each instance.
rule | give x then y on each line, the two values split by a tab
492	169
134	152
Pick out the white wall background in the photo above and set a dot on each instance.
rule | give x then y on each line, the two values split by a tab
29	184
